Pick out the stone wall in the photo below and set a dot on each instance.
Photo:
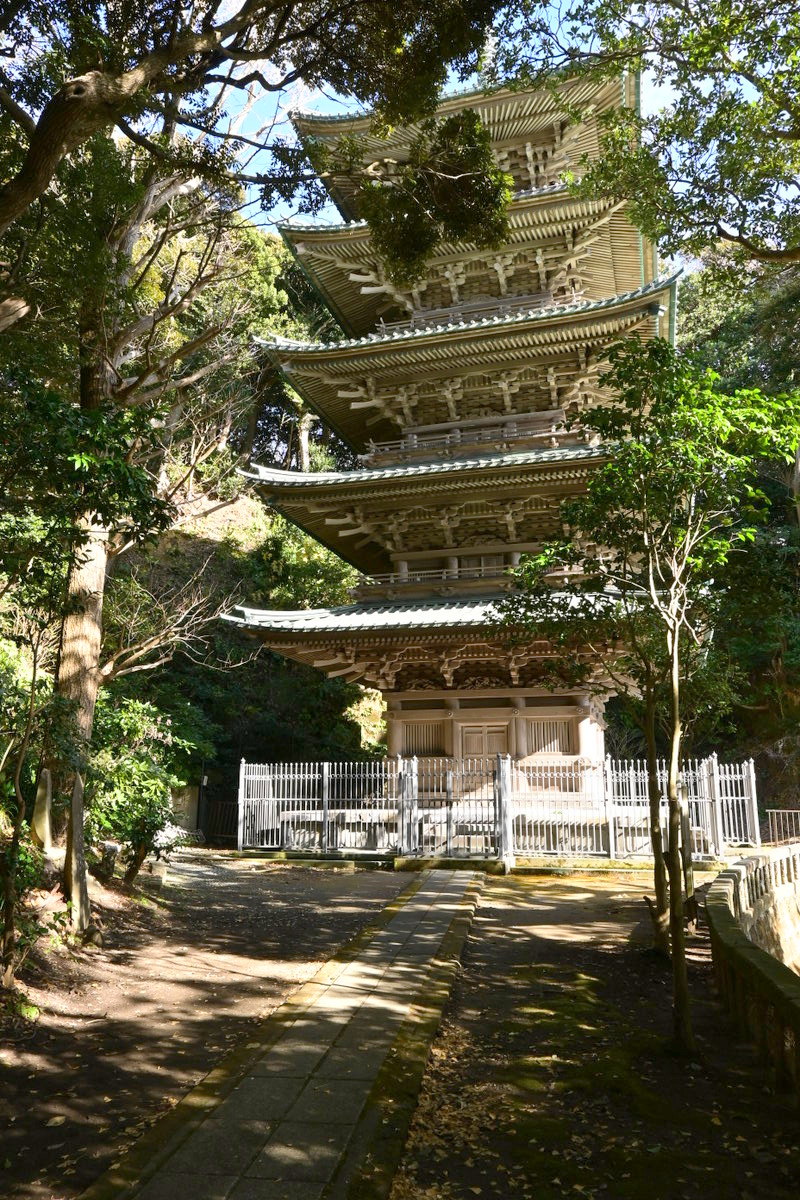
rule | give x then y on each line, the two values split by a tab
767	901
754	920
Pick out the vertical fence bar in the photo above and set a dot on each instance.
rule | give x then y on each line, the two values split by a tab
402	807
752	804
505	839
415	841
240	812
717	823
325	797
611	814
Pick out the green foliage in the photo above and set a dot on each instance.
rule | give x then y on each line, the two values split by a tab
268	708
56	462
722	158
426	200
653	540
141	754
742	319
28	867
394	57
291	570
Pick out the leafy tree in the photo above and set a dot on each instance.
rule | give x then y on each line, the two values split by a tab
149	342
603	640
166	78
721	160
141	755
415	208
47	447
742	320
660	520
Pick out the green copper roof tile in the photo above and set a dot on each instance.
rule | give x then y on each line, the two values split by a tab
355	617
537	315
525	458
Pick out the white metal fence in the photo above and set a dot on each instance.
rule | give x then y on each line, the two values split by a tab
487	807
783	825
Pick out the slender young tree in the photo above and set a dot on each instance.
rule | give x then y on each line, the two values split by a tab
678	494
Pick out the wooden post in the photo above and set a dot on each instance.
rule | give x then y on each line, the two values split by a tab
449	793
240	807
325	784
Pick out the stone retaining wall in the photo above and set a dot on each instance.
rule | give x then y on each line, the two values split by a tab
754	919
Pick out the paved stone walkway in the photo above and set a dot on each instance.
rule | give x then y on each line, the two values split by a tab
283	1129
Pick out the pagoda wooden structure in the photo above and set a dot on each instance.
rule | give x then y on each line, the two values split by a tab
461	395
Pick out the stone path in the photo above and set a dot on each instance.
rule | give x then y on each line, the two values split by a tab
280	1129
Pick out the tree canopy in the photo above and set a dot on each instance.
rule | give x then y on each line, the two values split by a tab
638	575
180	83
721	158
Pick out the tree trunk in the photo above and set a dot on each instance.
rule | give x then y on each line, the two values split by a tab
76	885
660	909
8	871
681	1010
78	681
304	423
136	863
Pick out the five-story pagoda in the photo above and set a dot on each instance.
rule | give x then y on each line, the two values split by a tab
461	394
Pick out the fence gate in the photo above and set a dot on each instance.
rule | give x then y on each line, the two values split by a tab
487	807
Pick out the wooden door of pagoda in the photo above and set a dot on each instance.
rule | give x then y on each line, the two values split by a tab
483	741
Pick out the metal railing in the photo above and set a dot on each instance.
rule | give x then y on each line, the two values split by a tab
439	574
487	807
442	578
783	825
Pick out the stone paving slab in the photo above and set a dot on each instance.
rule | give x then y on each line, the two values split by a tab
281	1132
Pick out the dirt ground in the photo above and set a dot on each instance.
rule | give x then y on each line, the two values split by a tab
550	1075
124	1030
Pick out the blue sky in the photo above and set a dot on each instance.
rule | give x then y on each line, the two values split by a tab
269	119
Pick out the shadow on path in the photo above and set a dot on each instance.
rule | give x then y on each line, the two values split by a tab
550	1076
126	1030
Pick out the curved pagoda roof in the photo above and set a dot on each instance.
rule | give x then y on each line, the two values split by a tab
352	618
361	386
388	645
513	118
556	240
366	516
